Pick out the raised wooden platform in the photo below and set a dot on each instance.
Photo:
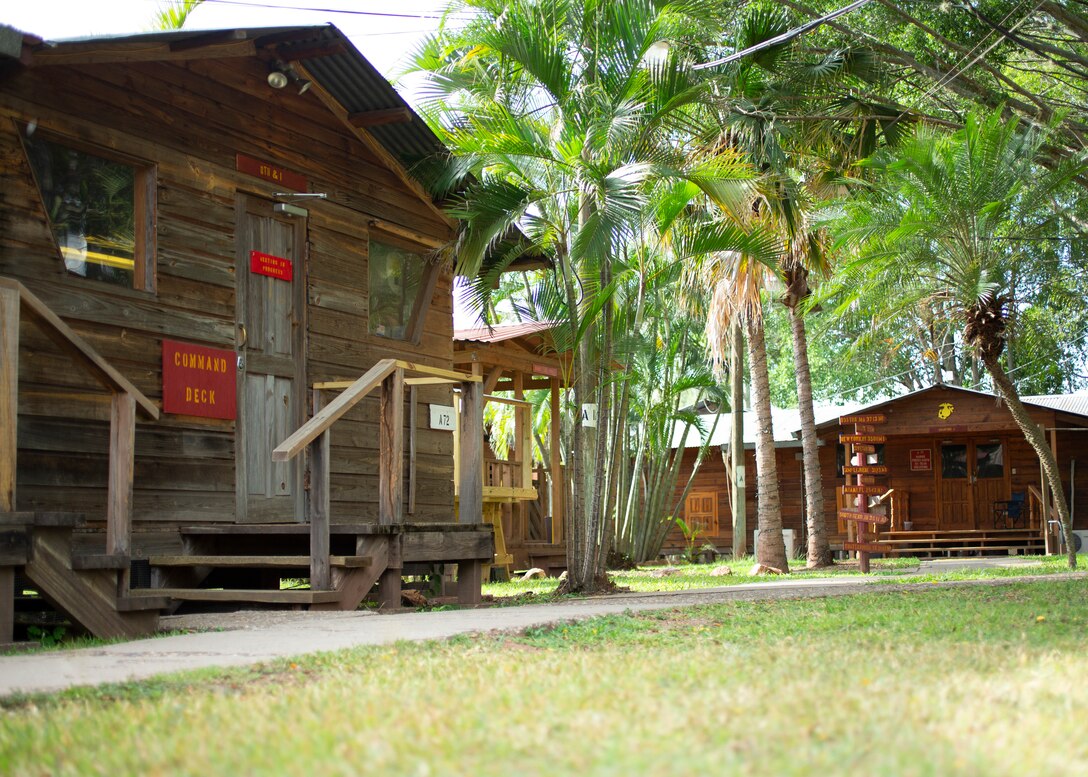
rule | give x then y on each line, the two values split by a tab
973	541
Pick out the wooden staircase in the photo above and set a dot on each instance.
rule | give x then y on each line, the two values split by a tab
248	563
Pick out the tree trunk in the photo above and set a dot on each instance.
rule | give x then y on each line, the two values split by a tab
771	550
1037	440
819	551
738	502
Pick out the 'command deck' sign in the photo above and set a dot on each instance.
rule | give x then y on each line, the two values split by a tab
198	380
272	266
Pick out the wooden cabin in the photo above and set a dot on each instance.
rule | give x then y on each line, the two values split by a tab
523	501
960	478
225	326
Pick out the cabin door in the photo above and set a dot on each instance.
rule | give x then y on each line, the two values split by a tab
971	478
270	304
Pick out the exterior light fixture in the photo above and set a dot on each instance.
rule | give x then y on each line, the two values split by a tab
277	79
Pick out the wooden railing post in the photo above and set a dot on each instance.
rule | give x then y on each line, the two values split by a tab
391	453
471	433
9	440
122	462
320	505
9	394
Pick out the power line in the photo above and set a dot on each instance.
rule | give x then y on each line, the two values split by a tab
347	12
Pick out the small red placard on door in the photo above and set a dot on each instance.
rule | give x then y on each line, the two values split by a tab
272	266
198	381
921	460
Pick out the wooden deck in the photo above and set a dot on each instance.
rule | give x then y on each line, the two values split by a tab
979	542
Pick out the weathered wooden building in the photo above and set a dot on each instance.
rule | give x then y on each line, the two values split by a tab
960	475
206	238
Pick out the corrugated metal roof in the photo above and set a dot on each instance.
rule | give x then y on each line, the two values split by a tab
346	74
785	422
1075	404
501	332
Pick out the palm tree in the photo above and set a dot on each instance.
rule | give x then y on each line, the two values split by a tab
947	224
568	116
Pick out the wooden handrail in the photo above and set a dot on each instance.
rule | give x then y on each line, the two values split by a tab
332	412
17	300
62	335
389	374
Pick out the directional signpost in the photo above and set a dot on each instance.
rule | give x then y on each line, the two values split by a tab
863	441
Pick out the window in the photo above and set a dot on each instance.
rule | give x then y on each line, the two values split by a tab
98	211
396	276
953	461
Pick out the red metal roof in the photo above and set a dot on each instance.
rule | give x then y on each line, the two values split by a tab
500	332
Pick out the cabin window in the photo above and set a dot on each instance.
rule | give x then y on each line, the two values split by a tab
396	277
98	211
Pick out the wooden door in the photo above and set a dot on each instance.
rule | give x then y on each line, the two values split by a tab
701	512
954	486
991	480
270	307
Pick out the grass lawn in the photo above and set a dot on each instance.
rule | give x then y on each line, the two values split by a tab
977	681
693	576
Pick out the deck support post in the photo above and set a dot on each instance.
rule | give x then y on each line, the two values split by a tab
9	395
556	465
469	581
320	505
471	440
391	453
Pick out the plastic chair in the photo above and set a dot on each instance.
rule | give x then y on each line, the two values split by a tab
1010	513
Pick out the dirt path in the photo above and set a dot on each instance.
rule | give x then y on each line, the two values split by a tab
254	637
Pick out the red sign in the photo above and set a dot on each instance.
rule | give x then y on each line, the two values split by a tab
865	547
854	515
921	460
874	418
198	381
272	266
270	172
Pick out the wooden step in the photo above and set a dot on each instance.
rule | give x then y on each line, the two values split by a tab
141	602
266	562
953	540
237	529
90	561
256	595
944	549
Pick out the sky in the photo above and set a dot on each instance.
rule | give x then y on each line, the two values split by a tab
384	32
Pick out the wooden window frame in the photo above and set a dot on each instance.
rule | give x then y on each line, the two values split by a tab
432	270
144	202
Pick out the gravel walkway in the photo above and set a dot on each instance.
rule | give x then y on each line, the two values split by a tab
253	637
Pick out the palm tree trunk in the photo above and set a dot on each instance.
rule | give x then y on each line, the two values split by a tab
819	551
1037	440
772	548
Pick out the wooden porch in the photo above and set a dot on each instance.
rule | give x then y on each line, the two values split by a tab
87	569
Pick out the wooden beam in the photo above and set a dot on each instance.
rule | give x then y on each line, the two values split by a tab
492	379
68	340
556	465
364	119
103	52
391	451
410	235
430	381
376	148
336	409
492	354
422	304
9	395
470	447
289	53
413	419
438	372
207	39
122	464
